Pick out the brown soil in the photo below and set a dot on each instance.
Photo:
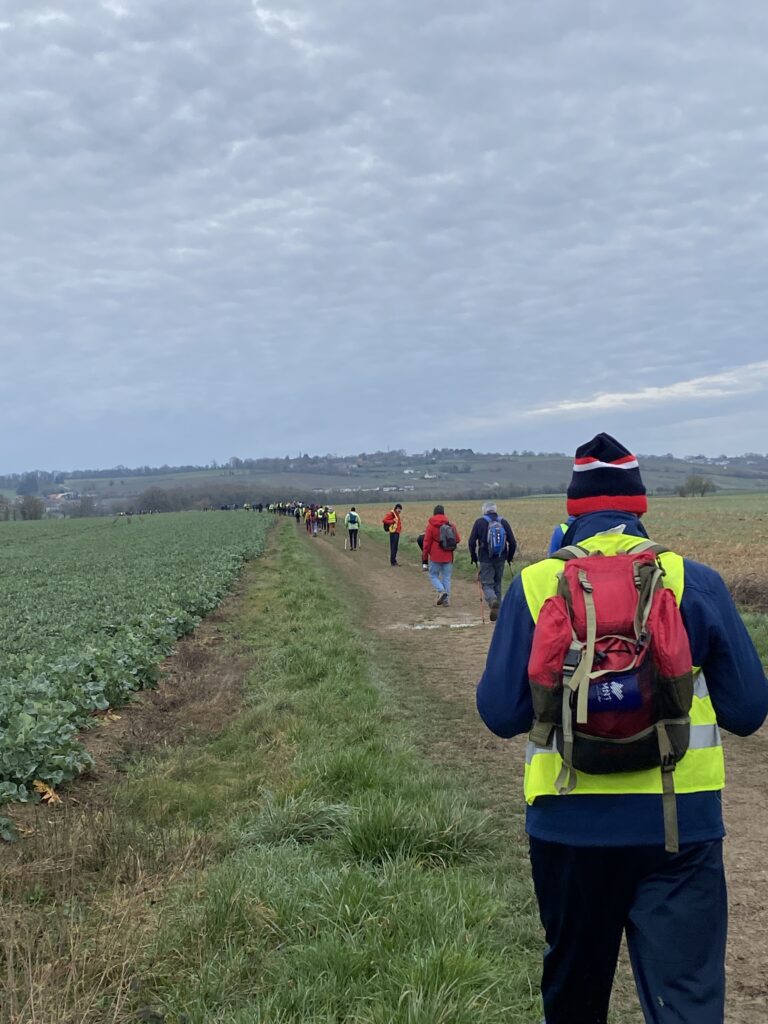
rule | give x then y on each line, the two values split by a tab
446	649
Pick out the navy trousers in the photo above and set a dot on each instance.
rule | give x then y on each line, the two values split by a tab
394	540
673	908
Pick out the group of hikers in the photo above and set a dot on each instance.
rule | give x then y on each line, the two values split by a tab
320	519
492	546
492	543
621	661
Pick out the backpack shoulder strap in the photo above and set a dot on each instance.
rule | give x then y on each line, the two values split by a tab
648	545
570	551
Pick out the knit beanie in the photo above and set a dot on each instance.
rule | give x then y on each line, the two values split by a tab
605	476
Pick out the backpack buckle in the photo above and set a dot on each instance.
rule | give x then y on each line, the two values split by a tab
571	660
584	582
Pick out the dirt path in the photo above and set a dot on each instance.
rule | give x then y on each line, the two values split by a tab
448	647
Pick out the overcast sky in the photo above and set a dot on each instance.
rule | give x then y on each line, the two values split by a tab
234	227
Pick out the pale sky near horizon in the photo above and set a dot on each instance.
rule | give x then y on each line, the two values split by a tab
257	228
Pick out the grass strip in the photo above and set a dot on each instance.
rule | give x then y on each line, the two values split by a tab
361	885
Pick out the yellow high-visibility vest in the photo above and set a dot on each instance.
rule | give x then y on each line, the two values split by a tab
702	768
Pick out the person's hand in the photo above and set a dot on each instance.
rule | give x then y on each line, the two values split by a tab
424	567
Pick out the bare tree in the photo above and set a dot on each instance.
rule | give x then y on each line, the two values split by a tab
31	507
696	484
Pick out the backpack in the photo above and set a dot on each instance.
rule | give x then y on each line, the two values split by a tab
495	538
447	538
611	673
352	518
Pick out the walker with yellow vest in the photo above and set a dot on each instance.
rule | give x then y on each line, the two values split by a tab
619	707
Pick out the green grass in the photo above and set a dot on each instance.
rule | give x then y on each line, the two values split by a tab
308	865
362	886
757	624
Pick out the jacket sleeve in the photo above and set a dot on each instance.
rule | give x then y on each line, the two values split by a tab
721	645
511	542
503	694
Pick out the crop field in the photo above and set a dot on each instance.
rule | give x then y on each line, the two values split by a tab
90	607
725	531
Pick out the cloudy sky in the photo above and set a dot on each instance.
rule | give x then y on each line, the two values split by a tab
243	227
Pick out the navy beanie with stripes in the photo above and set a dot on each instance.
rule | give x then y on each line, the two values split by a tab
605	476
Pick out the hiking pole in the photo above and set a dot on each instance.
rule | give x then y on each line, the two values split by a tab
482	600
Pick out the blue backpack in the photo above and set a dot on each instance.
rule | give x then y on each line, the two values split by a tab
496	538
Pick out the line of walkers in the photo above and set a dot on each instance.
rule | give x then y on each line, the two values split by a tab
622	661
492	545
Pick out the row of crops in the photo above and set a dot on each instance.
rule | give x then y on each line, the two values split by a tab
90	608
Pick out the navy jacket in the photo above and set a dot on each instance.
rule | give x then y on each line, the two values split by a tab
478	539
720	644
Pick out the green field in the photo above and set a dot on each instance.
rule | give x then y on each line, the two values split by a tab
89	609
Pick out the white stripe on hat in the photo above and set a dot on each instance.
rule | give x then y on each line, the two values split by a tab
596	464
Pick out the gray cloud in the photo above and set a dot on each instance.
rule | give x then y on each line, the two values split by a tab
257	227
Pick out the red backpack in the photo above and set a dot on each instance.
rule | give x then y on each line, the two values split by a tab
610	671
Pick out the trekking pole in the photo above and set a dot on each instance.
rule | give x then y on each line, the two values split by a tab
482	600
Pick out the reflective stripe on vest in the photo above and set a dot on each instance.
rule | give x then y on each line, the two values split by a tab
702	768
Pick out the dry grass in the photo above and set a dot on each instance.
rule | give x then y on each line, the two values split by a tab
70	947
726	532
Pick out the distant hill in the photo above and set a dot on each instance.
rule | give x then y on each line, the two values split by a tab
440	473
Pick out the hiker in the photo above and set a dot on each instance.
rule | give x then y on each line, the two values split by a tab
493	545
352	523
393	525
331	520
441	538
603	842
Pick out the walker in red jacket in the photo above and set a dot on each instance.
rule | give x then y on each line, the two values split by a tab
441	538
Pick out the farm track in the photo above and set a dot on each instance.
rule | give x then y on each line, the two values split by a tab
397	607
